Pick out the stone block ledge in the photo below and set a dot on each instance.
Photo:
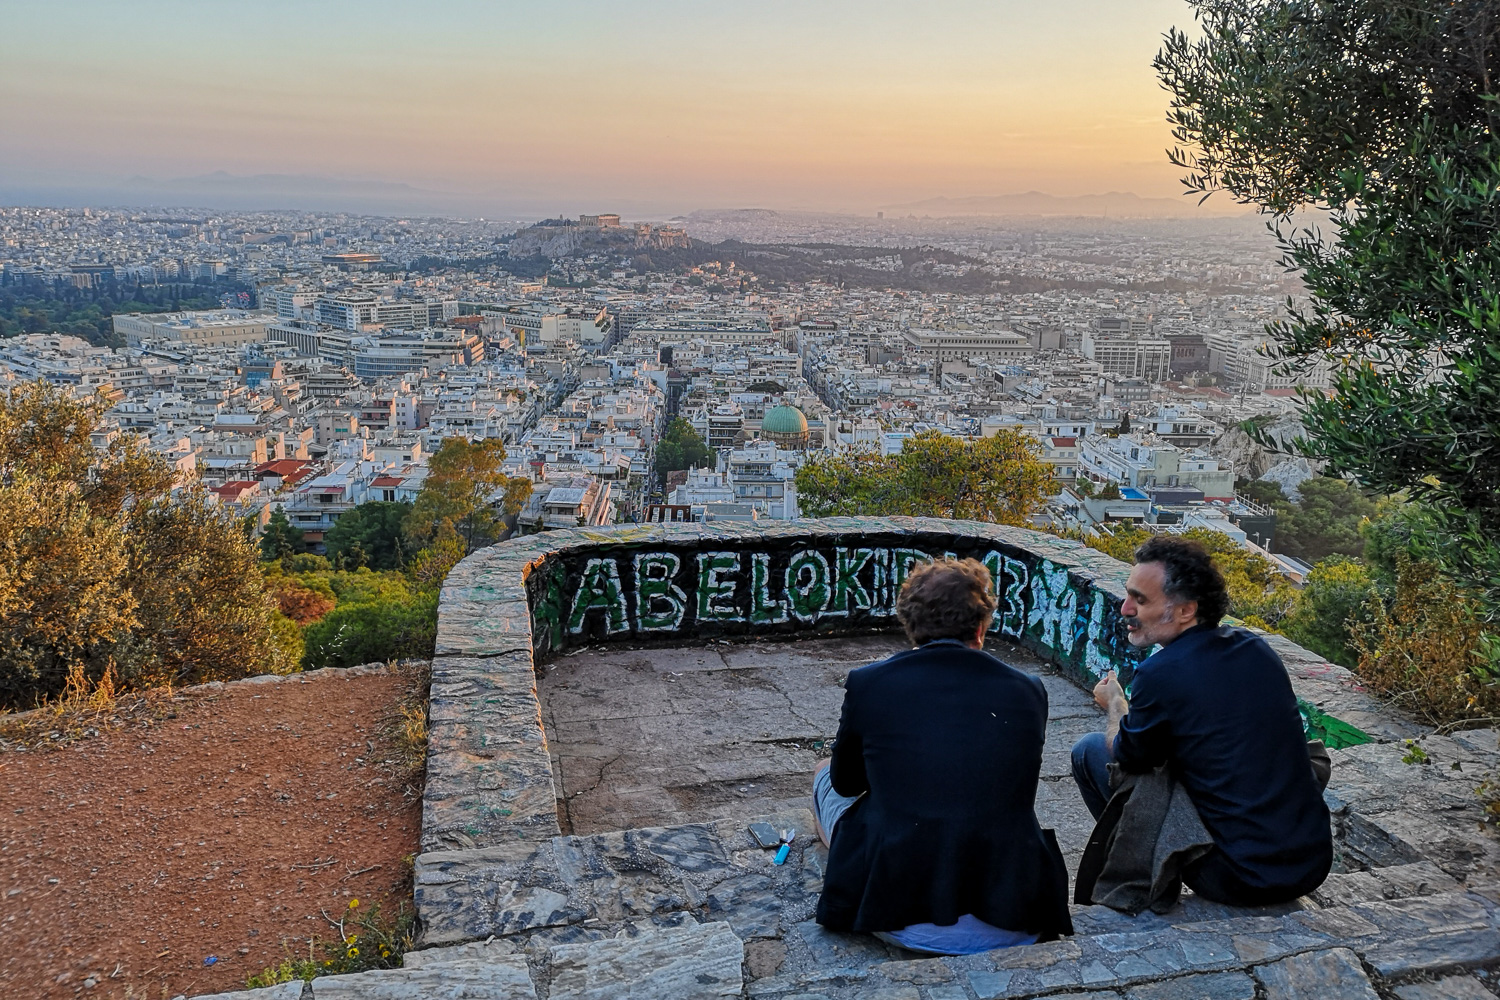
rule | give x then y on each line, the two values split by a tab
510	907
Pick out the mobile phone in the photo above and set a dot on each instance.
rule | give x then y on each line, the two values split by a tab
765	835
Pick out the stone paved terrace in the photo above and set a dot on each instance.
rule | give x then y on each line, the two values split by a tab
645	883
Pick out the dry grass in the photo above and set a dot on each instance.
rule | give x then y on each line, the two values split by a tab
1426	651
406	727
84	710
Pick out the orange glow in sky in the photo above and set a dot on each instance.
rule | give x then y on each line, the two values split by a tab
656	105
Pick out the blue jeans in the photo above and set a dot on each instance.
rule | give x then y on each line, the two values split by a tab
828	805
1091	759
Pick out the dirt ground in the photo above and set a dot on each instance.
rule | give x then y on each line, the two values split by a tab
219	829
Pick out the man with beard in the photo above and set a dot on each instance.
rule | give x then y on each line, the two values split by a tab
1214	704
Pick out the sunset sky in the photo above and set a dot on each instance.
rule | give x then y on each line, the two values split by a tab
562	105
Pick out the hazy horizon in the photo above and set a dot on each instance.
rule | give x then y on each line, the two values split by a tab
654	109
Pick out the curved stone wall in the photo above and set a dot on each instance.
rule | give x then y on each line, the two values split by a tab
506	607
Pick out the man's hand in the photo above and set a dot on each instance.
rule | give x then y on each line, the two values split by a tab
1109	696
1108	691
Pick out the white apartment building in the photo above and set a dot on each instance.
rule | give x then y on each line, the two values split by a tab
209	328
960	345
1128	460
1145	358
544	329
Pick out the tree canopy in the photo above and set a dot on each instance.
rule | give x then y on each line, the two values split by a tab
681	447
1324	522
998	479
369	534
280	540
106	574
466	492
1382	112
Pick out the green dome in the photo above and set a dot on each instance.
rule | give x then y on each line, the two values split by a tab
784	420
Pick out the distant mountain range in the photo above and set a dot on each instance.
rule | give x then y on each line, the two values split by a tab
1115	204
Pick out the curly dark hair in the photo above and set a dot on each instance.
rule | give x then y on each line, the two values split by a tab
946	599
1188	574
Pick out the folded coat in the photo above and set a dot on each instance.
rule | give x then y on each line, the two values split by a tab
1148	833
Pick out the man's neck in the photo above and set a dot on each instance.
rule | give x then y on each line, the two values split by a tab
1167	642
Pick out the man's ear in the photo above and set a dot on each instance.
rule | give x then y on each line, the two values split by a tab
1187	612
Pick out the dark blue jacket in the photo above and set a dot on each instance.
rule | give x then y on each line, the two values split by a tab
947	741
1218	705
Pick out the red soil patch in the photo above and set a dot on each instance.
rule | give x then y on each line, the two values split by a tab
133	856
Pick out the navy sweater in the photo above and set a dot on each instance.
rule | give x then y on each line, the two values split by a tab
1218	706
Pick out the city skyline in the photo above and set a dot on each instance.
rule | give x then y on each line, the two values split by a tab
654	109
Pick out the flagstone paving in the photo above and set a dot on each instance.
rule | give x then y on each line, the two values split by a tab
585	819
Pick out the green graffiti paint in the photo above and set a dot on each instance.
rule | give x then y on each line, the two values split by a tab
848	593
807	584
1053	607
716	588
1013	605
1336	734
660	604
764	610
599	587
547	612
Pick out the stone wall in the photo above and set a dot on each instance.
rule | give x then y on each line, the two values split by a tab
506	607
840	575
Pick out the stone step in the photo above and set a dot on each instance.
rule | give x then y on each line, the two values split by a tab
469	979
295	990
491	950
689	961
1421	878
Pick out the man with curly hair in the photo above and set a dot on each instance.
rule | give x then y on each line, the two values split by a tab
928	806
1215	705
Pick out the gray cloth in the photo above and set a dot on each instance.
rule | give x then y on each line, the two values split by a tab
1155	834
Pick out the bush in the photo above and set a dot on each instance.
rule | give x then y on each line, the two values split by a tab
303	600
1429	652
107	573
382	629
1335	604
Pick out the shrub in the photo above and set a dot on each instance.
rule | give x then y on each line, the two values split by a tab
383	629
303	600
106	571
1429	652
1335	603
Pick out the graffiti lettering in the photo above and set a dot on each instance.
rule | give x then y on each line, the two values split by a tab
807	585
660	603
763	609
715	590
599	587
848	593
1013	604
1053	606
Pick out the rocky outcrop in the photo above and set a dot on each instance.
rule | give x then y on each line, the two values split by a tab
1289	474
1248	457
